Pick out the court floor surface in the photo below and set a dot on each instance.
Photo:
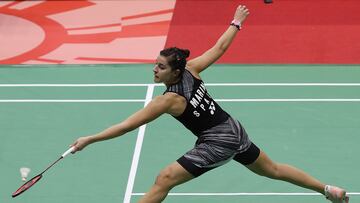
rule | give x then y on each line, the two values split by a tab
303	115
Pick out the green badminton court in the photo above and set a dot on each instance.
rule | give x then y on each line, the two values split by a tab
303	115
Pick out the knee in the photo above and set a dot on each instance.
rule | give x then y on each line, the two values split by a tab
264	166
274	171
270	171
165	179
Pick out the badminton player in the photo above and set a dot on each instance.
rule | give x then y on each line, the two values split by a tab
220	137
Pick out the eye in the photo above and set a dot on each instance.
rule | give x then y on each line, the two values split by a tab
161	66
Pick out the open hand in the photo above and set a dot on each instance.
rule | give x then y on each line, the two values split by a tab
241	13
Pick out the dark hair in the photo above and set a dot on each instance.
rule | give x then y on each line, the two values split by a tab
176	57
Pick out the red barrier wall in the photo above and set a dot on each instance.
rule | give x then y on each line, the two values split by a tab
79	31
133	31
287	31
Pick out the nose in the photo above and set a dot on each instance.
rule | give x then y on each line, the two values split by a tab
155	69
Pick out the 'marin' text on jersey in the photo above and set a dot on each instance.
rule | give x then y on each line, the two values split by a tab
198	96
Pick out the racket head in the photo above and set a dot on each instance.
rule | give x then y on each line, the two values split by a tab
27	185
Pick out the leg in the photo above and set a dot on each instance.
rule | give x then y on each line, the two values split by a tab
172	175
264	166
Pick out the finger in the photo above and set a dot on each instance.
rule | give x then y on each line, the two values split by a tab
243	10
74	150
75	147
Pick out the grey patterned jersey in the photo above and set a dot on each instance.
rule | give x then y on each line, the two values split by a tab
201	112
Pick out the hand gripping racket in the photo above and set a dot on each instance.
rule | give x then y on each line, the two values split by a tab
35	179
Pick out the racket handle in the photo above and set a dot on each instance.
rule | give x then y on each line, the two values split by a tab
68	152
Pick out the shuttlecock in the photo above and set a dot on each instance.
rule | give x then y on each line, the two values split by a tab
24	173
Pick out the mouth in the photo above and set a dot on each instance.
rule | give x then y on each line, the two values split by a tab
156	79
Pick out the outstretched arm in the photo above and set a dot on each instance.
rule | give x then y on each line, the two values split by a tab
200	63
158	106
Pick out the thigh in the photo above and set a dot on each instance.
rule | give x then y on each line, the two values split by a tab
263	165
249	156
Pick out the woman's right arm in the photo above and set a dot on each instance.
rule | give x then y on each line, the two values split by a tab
158	106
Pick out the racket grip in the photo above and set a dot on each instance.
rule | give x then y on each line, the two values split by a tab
68	152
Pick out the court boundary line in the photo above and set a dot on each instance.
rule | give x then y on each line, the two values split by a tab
207	84
142	100
137	151
71	100
247	194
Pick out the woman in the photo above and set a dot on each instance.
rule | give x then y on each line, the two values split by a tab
220	137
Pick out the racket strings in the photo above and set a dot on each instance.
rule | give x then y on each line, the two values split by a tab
27	185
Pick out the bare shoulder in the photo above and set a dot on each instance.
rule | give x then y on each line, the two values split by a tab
164	101
176	103
169	98
165	98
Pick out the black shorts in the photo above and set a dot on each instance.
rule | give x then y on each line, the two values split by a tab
245	158
217	146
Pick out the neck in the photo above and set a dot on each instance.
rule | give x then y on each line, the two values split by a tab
172	82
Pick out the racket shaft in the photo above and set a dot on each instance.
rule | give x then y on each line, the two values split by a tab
51	165
62	156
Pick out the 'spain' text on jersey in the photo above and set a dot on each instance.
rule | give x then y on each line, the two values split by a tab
203	100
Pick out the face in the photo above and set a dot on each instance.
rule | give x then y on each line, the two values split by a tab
163	72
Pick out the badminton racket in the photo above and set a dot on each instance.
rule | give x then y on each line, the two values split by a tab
35	179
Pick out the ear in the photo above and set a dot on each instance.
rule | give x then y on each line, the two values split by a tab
177	73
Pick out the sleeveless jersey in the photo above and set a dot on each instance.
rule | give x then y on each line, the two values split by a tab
201	112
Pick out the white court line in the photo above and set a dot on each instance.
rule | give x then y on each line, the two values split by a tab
75	85
153	85
288	100
142	100
136	156
283	84
69	100
207	84
248	194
